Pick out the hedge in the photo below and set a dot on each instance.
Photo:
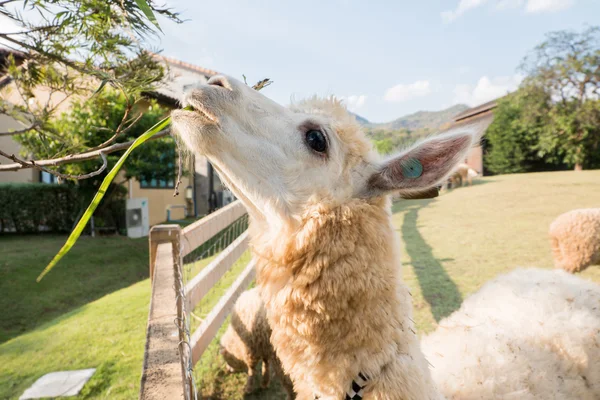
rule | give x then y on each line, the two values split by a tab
35	207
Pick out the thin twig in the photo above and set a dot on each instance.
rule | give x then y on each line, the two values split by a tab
5	2
38	29
34	164
262	84
77	157
118	132
179	173
19	131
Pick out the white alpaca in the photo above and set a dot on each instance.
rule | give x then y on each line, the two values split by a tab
529	334
328	264
575	239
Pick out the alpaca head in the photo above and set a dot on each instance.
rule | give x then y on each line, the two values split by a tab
281	161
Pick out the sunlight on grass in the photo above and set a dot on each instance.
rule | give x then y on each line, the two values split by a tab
107	334
455	243
96	317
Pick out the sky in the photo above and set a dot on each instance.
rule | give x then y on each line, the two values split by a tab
385	58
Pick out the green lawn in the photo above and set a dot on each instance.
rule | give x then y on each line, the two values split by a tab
458	241
94	268
90	312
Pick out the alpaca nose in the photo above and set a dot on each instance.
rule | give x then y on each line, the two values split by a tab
219	80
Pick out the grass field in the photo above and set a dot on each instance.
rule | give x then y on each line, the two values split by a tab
91	310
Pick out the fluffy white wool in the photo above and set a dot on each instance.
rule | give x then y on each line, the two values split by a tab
529	334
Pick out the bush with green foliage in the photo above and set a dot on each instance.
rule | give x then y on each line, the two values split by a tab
35	207
28	206
513	138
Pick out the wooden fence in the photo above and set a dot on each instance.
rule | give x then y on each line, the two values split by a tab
171	350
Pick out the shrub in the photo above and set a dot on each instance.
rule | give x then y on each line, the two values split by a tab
28	206
33	207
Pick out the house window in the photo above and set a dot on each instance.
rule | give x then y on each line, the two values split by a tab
154	183
161	182
164	176
45	177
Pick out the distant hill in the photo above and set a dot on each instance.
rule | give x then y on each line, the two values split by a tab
361	120
403	131
421	119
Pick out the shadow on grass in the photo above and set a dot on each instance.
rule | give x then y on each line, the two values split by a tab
229	386
94	268
438	289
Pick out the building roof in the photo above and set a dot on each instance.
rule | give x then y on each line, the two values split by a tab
179	76
477	118
480	109
4	54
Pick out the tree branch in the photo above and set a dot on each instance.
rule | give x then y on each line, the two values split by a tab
75	157
19	131
61	60
119	131
34	164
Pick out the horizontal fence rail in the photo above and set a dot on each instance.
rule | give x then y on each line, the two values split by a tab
196	234
209	327
201	284
171	352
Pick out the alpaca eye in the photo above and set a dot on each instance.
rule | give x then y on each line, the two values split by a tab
316	140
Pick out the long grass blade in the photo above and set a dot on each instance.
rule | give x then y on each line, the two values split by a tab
143	5
100	194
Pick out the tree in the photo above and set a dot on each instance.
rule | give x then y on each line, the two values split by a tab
383	146
567	66
92	122
77	48
513	138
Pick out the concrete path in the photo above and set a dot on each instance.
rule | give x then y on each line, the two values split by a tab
59	384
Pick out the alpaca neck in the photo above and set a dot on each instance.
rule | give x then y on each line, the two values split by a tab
334	297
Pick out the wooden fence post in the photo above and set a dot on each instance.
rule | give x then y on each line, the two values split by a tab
161	234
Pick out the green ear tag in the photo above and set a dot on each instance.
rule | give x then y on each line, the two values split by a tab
412	168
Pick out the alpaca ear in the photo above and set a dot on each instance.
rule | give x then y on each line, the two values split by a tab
416	172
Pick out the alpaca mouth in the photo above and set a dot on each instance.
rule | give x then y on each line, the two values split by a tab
201	110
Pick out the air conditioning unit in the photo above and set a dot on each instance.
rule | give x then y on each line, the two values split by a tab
228	197
138	220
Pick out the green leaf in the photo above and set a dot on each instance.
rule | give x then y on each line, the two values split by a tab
104	82
143	5
100	194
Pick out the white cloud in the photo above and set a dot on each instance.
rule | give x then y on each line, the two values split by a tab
354	102
403	92
531	6
509	4
538	6
486	89
463	6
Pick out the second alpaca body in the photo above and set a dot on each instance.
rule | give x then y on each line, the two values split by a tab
528	334
575	239
246	342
